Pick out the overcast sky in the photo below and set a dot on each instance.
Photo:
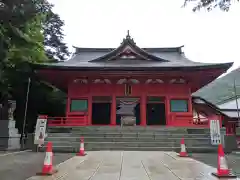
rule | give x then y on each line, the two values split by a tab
207	37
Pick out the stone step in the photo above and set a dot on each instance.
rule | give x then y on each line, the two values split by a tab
162	129
71	149
131	144
130	138
115	144
147	128
126	139
133	131
128	134
189	150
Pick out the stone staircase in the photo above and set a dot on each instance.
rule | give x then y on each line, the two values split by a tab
131	138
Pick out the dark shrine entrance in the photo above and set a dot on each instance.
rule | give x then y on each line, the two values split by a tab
128	108
101	110
156	111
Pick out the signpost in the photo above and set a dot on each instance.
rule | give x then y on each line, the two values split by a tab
40	131
215	132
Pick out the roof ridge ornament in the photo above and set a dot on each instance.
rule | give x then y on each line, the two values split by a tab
128	35
128	38
128	50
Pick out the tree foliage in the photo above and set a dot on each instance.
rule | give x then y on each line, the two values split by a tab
20	35
55	48
29	32
210	4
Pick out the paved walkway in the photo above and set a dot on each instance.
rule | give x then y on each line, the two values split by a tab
22	165
211	159
117	165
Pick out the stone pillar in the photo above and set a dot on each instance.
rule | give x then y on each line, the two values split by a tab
113	110
9	136
143	110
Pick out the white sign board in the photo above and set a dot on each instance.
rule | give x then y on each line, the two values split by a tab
215	132
40	131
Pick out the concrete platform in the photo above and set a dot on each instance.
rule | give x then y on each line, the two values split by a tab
126	165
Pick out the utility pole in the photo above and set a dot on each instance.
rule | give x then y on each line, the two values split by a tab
25	113
236	98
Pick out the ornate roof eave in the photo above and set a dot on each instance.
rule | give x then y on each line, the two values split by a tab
128	41
209	104
223	66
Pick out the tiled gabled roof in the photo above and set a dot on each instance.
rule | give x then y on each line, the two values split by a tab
128	56
128	50
224	86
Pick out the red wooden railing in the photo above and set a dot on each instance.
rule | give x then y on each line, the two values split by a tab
67	121
175	120
188	120
200	121
231	127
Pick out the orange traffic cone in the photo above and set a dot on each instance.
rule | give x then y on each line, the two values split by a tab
222	170
183	152
47	169
81	150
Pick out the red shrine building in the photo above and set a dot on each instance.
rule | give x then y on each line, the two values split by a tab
130	85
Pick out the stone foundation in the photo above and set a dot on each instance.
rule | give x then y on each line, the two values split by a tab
9	136
128	120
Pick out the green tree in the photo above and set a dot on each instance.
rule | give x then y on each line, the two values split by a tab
26	32
20	42
210	4
55	48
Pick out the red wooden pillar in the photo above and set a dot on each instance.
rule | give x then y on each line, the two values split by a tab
68	106
143	110
220	117
113	110
167	111
89	110
190	109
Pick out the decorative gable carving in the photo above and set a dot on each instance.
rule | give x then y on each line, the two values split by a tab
154	81
177	81
128	50
198	101
130	53
199	117
127	53
80	81
131	81
101	81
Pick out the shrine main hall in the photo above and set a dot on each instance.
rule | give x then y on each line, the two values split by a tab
130	85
